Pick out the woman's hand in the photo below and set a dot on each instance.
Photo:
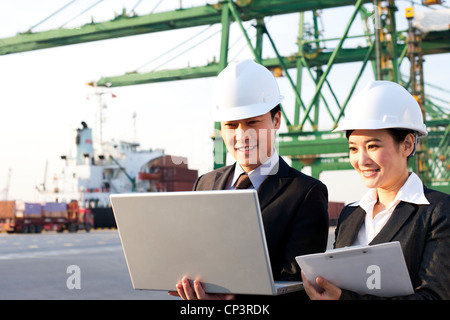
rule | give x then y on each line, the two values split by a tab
185	291
329	292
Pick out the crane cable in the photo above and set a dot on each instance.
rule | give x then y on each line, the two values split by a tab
132	9
187	40
176	47
156	6
82	12
188	49
54	13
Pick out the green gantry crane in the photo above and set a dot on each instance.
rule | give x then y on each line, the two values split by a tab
385	50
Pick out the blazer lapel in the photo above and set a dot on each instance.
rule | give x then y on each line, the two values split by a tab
273	183
221	178
401	213
349	228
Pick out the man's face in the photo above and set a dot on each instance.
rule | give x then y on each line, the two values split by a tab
250	141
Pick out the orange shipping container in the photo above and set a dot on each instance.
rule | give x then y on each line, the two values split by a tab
7	209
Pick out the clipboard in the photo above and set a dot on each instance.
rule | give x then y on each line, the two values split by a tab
378	270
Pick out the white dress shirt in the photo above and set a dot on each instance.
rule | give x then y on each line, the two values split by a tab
258	174
411	191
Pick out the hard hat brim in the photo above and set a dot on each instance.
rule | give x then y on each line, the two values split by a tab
244	112
378	125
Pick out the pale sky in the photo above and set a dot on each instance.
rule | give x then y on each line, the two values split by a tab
43	96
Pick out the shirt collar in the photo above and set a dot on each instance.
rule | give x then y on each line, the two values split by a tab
411	191
258	174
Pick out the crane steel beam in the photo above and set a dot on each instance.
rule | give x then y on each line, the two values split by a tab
124	25
432	43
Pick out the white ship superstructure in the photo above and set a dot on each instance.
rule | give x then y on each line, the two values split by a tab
90	177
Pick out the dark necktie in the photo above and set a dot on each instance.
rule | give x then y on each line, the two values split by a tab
243	182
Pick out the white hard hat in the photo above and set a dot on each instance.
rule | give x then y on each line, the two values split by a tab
382	105
244	90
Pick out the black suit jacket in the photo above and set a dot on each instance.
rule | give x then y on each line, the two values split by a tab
294	209
424	234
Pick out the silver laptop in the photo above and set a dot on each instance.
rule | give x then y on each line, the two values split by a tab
216	237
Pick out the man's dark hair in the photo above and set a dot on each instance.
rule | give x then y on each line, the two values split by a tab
274	111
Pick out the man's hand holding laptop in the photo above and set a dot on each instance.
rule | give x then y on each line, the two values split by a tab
186	292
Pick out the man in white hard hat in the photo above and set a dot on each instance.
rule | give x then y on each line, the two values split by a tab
293	205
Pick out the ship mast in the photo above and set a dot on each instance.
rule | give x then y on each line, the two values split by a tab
98	135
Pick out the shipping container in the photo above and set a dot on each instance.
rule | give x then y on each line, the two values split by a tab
170	174
32	210
170	161
34	217
334	210
7	209
55	210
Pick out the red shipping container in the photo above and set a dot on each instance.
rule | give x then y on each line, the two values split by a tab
334	210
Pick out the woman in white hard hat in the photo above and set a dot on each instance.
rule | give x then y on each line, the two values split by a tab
383	123
293	205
